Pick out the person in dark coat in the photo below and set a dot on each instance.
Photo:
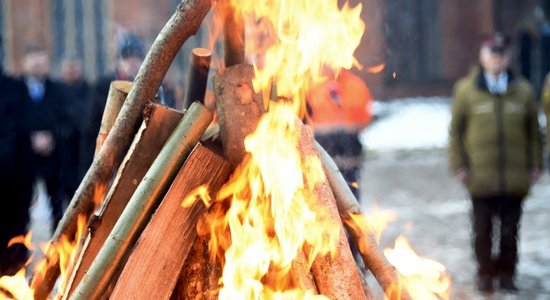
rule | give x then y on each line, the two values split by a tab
78	94
15	175
495	150
130	55
49	122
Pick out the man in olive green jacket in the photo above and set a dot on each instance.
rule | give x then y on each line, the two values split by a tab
495	150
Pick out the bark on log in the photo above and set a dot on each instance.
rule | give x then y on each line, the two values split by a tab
301	276
184	22
198	76
233	36
118	90
338	277
151	137
239	109
140	207
157	260
374	259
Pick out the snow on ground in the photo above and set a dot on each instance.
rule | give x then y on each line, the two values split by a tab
405	171
414	123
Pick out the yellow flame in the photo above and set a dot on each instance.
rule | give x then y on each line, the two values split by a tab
291	42
16	287
26	240
423	278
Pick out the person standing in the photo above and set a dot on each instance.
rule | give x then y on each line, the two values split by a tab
495	150
339	109
15	175
49	123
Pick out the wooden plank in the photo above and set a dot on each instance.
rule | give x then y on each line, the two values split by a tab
157	260
151	137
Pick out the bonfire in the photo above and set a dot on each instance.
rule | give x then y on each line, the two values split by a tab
242	206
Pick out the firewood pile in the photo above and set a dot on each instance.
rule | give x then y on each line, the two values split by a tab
140	241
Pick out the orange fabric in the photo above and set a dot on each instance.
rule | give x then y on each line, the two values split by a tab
341	103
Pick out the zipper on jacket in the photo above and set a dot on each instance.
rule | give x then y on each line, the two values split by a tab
501	144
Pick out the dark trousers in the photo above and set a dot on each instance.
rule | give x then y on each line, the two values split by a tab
507	212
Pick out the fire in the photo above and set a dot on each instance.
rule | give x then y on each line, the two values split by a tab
254	222
423	278
291	42
18	287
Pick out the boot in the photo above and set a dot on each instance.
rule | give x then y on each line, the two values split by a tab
506	282
485	284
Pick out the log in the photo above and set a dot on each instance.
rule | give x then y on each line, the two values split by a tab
199	276
198	76
374	259
239	109
118	90
151	137
184	22
233	36
153	186
301	275
337	277
157	260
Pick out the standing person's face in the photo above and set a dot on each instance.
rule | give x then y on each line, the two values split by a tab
36	64
494	62
71	71
128	67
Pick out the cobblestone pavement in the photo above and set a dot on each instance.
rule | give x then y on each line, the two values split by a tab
433	213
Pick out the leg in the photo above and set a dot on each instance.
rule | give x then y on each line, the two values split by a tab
510	211
482	230
55	192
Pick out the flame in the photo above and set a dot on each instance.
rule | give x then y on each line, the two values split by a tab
291	42
376	69
17	285
423	278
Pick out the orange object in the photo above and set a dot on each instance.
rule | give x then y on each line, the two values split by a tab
341	103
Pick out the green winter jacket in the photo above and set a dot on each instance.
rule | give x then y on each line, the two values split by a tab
495	137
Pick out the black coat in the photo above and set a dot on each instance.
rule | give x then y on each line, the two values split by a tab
15	173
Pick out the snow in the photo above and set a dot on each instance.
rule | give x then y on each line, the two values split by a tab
412	123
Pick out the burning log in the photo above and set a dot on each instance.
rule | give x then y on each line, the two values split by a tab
155	264
239	109
233	36
198	76
140	207
157	126
184	23
374	259
336	277
118	90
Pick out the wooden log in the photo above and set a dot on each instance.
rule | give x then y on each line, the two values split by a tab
157	260
233	36
373	257
239	109
199	276
337	277
301	276
118	90
184	22
153	186
198	76
151	137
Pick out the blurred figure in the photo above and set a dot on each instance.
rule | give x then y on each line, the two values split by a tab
130	55
15	174
495	150
339	109
78	93
49	123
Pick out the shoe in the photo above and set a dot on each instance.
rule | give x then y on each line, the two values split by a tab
507	283
485	284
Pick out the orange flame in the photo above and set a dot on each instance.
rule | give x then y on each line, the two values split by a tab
376	69
291	42
423	278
